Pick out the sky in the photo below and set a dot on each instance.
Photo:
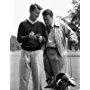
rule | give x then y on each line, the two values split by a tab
21	9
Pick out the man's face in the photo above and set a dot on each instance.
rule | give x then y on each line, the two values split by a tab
48	20
34	14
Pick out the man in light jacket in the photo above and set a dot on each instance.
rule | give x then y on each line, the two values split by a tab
54	53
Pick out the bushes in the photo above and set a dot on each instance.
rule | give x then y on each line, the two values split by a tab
14	45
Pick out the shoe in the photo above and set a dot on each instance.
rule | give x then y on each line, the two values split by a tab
51	83
72	82
49	86
49	80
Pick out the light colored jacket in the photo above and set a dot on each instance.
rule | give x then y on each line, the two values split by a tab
61	32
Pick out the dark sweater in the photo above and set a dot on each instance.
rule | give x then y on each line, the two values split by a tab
30	44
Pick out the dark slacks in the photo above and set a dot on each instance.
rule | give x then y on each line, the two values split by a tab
53	62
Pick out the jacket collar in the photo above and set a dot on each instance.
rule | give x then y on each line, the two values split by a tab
56	23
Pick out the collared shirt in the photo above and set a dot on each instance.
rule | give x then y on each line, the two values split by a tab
51	40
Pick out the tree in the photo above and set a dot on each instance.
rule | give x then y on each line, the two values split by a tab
74	20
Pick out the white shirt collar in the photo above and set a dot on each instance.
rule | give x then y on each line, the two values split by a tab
32	22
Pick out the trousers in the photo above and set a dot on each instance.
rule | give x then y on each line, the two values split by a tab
53	62
30	61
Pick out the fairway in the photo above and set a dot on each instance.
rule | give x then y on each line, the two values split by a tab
14	71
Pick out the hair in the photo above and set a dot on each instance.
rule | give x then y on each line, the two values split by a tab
47	12
35	6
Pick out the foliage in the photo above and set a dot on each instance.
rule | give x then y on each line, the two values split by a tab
75	13
14	45
73	20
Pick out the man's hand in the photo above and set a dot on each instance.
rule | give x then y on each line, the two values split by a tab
37	36
40	38
31	34
73	38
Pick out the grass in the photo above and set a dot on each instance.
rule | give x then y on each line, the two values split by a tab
14	72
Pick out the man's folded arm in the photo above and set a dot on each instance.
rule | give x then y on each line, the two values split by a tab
21	37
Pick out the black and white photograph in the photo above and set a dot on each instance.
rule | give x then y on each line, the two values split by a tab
45	45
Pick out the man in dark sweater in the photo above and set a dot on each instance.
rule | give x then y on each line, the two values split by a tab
31	34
